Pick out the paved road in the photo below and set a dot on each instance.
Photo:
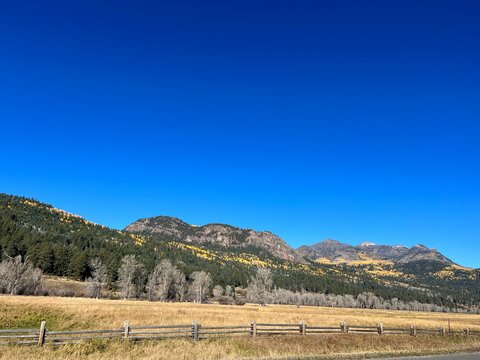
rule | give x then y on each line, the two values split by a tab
475	356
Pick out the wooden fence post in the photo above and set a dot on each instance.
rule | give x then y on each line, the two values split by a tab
344	327
41	334
380	329
303	328
442	331
253	329
413	330
466	331
195	330
126	331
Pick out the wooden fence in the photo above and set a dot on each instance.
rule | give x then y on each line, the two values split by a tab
196	332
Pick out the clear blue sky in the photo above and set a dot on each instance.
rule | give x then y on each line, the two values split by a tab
352	120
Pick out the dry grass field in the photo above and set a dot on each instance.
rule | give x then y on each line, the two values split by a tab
79	313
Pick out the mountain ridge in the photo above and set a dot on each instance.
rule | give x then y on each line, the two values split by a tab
336	251
178	228
215	233
329	249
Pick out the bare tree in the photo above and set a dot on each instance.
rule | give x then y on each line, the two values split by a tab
152	284
368	301
229	291
260	287
18	276
130	275
166	282
180	285
200	285
98	279
217	291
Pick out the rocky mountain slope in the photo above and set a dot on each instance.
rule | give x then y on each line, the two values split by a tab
218	234
337	252
325	251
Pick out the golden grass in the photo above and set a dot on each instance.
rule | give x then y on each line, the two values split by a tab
285	347
71	313
79	313
58	283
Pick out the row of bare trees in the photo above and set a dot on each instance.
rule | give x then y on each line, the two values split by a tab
165	283
261	290
19	277
366	300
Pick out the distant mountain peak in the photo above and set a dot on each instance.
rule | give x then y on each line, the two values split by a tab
331	241
335	251
329	249
367	243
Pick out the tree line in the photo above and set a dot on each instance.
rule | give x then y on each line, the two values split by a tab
167	283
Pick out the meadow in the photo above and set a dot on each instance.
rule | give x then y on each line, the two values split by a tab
80	313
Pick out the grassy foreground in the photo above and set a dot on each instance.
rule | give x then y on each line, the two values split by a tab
78	313
285	347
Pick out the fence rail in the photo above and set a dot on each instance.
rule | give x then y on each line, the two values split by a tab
196	332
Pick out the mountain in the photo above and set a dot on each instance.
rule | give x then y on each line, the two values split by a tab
62	244
328	250
331	250
217	234
337	252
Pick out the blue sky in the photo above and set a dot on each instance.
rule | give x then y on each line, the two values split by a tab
357	121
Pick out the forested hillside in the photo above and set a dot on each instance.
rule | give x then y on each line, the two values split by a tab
63	244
